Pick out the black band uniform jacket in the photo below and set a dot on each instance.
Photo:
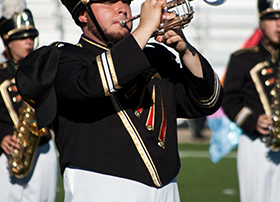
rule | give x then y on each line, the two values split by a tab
117	108
249	82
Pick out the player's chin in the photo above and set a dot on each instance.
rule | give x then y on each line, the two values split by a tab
117	36
276	41
122	33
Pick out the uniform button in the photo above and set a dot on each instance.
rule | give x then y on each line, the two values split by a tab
137	114
161	144
149	127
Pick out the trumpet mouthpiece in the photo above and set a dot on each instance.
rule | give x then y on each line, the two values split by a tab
122	22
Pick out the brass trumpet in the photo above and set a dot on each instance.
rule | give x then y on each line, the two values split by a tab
183	19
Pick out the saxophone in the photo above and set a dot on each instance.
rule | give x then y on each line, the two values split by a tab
273	140
21	160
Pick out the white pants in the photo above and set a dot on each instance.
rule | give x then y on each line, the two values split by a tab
38	186
258	171
83	185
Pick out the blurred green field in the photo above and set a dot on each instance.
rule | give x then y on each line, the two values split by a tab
199	179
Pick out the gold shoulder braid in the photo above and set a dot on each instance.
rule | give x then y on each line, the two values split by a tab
253	49
151	73
3	65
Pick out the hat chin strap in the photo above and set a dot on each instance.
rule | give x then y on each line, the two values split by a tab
92	16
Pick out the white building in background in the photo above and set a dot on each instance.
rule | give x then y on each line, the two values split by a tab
214	31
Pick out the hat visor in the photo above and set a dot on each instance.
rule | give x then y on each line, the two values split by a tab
46	113
24	34
271	15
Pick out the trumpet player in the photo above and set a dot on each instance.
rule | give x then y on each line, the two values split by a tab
252	78
18	32
113	101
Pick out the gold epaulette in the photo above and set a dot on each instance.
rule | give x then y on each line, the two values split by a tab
253	49
60	44
3	65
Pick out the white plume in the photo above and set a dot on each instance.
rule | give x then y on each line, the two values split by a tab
10	7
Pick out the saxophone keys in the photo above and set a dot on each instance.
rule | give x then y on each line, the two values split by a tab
269	81
27	115
22	129
273	93
15	164
25	143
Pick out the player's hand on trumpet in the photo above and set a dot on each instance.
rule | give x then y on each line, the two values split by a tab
150	18
173	38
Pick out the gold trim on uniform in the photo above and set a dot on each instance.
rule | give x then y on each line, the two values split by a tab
75	6
245	50
208	103
163	125
150	123
138	142
3	65
109	62
242	116
112	70
95	44
254	74
151	73
8	102
269	10
79	45
107	73
60	44
11	32
102	76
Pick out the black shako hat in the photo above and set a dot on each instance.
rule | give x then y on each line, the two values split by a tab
269	9
35	78
20	25
75	7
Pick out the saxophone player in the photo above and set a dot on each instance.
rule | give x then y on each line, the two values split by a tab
249	84
18	33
